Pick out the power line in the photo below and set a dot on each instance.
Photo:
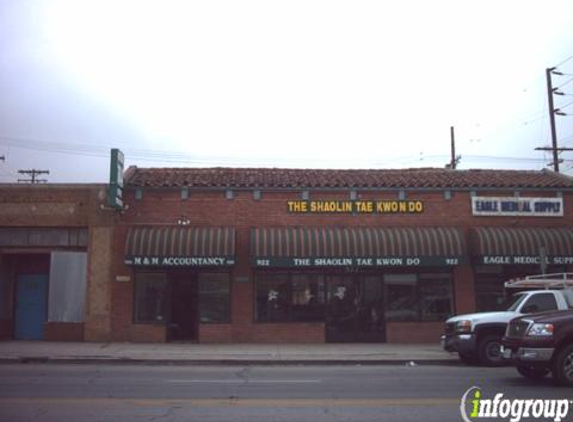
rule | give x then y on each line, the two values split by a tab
492	157
565	83
564	61
565	106
516	123
488	157
102	151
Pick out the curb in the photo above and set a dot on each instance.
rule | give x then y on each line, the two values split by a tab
227	362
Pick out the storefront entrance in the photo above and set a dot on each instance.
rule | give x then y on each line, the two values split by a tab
31	306
183	316
355	309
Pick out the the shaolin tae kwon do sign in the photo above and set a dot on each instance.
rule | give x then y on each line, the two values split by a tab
365	262
355	207
517	207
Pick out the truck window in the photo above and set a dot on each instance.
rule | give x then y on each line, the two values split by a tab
540	302
512	302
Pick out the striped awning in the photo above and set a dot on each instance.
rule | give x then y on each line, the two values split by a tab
502	245
177	246
362	247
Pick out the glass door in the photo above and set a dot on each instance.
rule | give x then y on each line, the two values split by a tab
355	309
342	298
183	312
372	323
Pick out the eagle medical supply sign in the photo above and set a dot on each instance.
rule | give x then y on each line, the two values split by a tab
513	206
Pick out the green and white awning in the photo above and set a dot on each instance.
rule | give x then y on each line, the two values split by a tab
356	247
176	246
522	246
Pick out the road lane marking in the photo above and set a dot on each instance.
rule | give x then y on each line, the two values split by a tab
245	381
234	402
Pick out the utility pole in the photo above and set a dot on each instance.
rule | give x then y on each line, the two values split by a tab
552	119
552	113
454	159
453	148
33	173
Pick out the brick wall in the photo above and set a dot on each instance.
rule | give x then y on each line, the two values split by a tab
64	331
212	208
414	332
64	206
464	289
216	333
51	205
147	333
6	329
289	333
100	278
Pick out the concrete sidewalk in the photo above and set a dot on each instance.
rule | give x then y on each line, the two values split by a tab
208	354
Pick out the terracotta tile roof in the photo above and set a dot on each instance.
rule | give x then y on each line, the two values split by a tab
358	179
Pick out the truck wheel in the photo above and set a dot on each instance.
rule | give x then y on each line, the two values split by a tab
489	350
468	358
563	366
532	372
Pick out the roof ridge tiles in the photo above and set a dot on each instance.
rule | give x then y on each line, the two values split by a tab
435	178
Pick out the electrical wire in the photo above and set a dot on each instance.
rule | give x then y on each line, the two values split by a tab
175	157
564	61
565	106
150	156
565	83
492	157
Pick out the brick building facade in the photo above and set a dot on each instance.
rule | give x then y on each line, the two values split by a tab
276	255
55	262
279	255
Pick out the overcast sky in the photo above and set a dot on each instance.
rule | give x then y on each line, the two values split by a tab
322	84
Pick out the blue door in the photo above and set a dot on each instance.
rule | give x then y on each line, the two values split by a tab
31	304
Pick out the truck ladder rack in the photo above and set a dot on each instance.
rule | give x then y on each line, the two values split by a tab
542	281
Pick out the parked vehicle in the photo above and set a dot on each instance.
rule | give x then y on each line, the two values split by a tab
477	337
542	343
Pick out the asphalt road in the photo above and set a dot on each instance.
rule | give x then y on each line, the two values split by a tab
49	393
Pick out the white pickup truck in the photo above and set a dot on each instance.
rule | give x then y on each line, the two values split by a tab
477	337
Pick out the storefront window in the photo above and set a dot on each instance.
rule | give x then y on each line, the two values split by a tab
214	297
401	297
150	295
436	297
419	297
307	298
272	297
362	300
286	297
